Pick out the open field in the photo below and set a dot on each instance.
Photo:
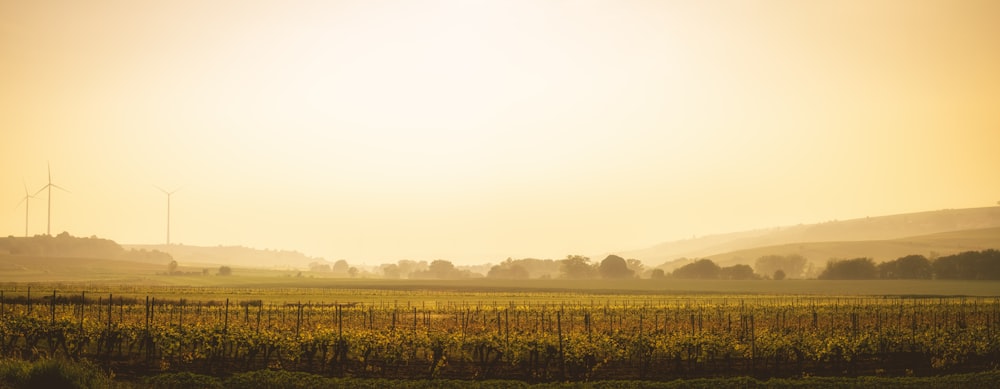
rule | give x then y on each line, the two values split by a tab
77	274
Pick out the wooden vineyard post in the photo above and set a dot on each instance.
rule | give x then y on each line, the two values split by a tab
260	310
83	305
52	309
298	319
29	300
111	304
562	356
340	322
225	320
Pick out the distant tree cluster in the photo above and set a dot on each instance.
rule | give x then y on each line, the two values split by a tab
441	270
509	270
910	267
578	267
970	265
850	269
791	266
706	269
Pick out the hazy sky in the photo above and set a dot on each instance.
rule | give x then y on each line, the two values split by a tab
479	130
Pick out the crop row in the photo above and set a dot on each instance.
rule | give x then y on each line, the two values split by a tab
644	338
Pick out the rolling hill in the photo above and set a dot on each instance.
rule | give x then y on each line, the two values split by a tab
232	256
932	245
879	228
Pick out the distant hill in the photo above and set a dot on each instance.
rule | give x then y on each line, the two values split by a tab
865	229
232	256
65	245
940	244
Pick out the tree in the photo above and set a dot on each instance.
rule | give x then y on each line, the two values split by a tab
792	265
577	267
701	269
908	267
319	266
969	265
850	269
779	275
658	274
441	269
509	270
172	267
390	270
636	265
737	272
615	267
352	271
225	270
341	266
407	267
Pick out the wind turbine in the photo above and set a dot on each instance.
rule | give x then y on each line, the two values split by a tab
170	193
49	186
26	200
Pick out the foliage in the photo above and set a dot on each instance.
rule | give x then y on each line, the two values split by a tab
615	267
969	265
538	338
51	373
441	270
509	270
906	268
225	270
850	269
700	269
737	272
791	265
577	267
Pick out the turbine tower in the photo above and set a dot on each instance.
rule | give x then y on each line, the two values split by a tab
26	200
170	193
49	186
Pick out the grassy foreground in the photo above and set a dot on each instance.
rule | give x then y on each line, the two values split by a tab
55	373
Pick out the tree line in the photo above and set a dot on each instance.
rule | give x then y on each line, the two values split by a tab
969	265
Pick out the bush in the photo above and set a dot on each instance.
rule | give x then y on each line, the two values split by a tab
52	374
183	380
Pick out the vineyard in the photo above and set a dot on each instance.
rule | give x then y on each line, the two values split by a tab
531	337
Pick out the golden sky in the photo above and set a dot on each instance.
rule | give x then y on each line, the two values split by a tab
477	130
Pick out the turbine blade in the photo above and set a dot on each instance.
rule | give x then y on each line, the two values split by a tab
42	190
59	187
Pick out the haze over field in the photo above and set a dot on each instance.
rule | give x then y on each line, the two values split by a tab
474	131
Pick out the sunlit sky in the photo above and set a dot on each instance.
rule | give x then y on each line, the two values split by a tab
474	131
